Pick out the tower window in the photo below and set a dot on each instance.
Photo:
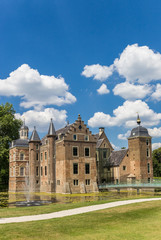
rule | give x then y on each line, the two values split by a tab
148	167
41	171
45	155
21	171
37	171
147	142
87	168
147	152
87	181
41	156
37	146
75	168
45	170
37	156
104	154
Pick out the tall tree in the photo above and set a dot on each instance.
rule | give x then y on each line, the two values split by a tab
9	127
157	162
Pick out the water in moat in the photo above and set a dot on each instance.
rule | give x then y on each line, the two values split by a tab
37	199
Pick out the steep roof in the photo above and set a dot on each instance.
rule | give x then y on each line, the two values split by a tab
64	130
116	157
51	130
34	136
99	142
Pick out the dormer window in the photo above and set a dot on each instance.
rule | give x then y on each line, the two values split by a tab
74	137
86	138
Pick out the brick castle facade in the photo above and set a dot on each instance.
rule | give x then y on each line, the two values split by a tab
73	160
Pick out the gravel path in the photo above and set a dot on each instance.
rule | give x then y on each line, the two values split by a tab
73	211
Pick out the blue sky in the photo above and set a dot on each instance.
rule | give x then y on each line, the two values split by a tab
99	58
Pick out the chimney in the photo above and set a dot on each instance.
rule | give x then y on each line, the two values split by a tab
101	130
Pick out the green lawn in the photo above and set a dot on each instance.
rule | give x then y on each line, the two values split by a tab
141	221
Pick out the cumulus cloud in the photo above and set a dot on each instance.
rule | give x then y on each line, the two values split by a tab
103	89
155	132
97	71
139	64
156	145
41	119
34	89
157	94
125	115
130	91
124	136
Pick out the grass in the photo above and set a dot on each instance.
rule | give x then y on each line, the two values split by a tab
139	221
21	211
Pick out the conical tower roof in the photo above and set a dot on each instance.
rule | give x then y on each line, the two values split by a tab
51	130
34	136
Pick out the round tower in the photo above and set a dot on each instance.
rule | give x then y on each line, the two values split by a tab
51	160
140	153
34	163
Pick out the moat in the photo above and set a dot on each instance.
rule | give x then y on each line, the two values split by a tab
37	199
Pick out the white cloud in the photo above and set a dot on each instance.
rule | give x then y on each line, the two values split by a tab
139	64
131	91
124	136
157	94
97	71
41	119
103	89
156	145
155	132
34	89
125	115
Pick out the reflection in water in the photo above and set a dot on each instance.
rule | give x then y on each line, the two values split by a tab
19	199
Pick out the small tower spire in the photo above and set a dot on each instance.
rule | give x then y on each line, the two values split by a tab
138	120
51	130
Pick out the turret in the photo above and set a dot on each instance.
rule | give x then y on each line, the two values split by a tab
34	164
51	160
23	132
140	153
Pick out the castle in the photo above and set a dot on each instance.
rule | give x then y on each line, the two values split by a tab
73	160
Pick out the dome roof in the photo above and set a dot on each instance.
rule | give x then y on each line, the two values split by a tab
139	132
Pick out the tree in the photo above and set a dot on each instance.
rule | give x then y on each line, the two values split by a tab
9	127
157	162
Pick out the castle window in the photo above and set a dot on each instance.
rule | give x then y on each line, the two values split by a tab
147	142
37	182
37	171
86	138
148	180
41	155
45	155
75	151
148	167
25	134
21	171
41	171
75	168
104	154
37	156
87	181
124	168
37	146
87	168
74	137
45	170
21	156
75	182
147	152
86	152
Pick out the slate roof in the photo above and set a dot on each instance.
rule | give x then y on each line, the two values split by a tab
51	130
64	130
116	157
20	143
139	132
99	142
34	136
